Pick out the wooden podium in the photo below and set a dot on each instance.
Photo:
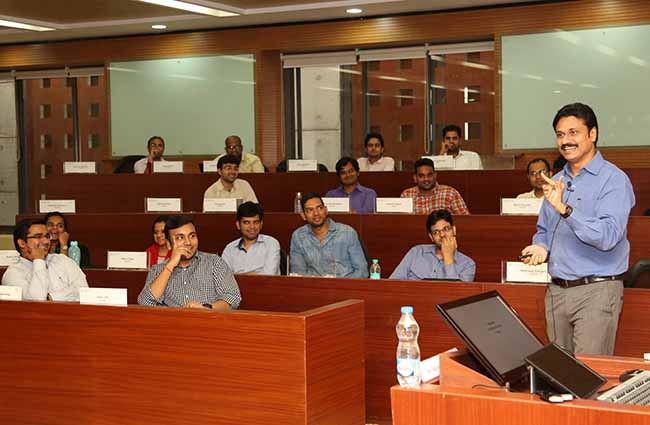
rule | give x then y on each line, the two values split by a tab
463	397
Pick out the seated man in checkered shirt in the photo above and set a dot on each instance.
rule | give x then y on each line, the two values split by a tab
429	196
190	278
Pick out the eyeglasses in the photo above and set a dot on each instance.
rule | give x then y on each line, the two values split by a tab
445	229
39	236
538	173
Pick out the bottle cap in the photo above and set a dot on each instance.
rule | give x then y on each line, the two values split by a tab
74	243
375	261
407	309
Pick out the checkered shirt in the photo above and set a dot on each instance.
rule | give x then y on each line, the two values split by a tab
442	197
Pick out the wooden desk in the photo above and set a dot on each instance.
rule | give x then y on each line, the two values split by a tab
71	364
481	190
449	405
488	240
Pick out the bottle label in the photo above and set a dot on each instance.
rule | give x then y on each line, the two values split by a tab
406	367
375	275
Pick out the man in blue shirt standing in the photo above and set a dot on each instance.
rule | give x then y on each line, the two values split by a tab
323	247
440	260
582	233
362	199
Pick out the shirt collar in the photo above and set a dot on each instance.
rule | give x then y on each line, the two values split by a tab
593	167
240	244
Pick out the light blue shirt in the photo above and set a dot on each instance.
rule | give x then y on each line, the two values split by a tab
263	257
421	263
339	255
592	241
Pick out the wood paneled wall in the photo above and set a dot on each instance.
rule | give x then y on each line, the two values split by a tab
267	42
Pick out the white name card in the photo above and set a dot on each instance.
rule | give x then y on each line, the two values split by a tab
127	260
394	205
11	293
8	257
513	206
210	166
337	205
103	296
442	162
60	205
221	204
79	167
163	205
302	165
519	272
168	166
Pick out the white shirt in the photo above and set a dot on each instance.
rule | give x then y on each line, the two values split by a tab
241	189
57	275
528	195
385	163
263	257
140	165
467	160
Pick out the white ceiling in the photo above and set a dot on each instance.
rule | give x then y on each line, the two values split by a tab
76	19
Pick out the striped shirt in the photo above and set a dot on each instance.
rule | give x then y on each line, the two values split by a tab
442	198
206	280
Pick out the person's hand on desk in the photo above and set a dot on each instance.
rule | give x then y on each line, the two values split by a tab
534	255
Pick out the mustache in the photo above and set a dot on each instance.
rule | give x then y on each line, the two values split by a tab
568	145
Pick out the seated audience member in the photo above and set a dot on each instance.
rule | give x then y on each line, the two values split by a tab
248	163
190	278
323	247
42	275
253	253
156	148
160	250
362	199
428	195
463	160
228	185
57	227
536	170
440	260
375	159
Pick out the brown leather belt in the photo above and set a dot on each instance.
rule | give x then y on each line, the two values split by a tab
584	280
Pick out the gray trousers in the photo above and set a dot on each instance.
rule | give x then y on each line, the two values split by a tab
584	319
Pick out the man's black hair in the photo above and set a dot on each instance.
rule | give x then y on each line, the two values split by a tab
580	111
345	161
176	221
22	229
438	215
534	160
311	195
227	159
250	209
373	136
451	127
421	163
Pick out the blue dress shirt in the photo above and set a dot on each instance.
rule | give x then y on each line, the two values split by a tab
592	241
362	199
263	257
421	263
339	255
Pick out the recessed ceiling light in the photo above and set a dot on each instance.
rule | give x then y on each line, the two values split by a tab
22	26
354	11
159	27
190	7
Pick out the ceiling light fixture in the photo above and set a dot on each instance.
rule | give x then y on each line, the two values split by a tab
354	11
190	7
22	26
159	27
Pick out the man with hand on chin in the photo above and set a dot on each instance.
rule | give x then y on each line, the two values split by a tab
582	233
190	278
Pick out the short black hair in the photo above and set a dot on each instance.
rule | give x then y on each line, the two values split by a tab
22	228
438	215
580	111
534	160
421	163
159	219
345	161
56	214
176	221
451	127
250	209
311	195
152	138
227	159
373	136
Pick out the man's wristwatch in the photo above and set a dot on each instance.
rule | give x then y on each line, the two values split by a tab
567	212
208	305
64	247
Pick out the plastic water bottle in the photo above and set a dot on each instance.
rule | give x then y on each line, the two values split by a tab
408	351
297	206
375	270
74	252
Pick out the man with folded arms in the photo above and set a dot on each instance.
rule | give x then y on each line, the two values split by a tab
362	199
156	149
253	253
323	247
582	232
40	274
190	278
229	185
248	163
440	260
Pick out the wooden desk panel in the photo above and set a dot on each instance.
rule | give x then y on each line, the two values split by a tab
134	365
